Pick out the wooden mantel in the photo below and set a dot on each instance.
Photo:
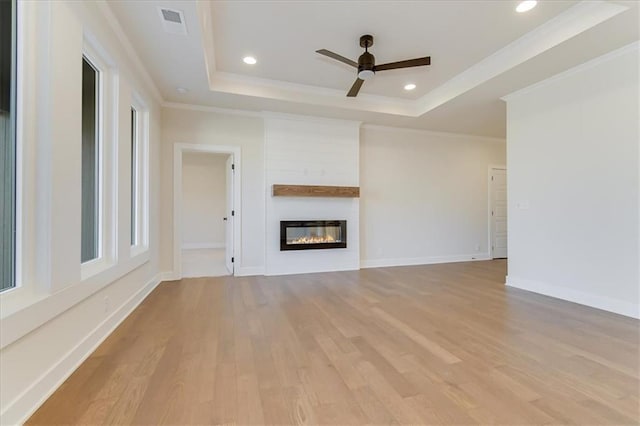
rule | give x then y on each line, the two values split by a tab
316	191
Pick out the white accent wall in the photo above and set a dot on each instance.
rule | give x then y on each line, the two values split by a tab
203	200
56	317
311	152
424	196
572	145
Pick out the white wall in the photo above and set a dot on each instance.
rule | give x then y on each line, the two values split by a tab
194	126
57	316
203	200
434	184
573	184
424	196
303	151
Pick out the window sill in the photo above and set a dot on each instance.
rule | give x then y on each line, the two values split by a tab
93	267
17	298
21	315
138	250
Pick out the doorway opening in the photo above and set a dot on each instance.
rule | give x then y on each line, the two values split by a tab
206	196
498	212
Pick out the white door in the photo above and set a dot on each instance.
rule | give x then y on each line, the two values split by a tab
498	213
229	257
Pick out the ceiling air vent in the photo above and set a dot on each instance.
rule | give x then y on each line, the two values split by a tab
173	21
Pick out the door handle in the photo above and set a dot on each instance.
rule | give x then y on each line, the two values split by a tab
224	218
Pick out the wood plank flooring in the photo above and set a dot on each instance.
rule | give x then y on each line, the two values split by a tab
439	344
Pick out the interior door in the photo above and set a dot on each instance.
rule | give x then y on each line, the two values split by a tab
499	213
229	256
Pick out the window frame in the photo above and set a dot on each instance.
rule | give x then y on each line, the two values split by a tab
134	174
15	118
99	129
107	139
142	177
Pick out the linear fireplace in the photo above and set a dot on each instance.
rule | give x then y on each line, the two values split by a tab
312	234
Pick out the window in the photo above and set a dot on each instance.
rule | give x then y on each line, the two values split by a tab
90	220
7	144
134	177
139	175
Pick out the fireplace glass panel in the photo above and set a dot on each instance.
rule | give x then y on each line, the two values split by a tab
315	234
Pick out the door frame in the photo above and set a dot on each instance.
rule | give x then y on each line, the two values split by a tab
490	205
178	150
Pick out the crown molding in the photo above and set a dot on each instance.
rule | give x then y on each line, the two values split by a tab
207	108
269	115
425	132
635	46
129	50
266	115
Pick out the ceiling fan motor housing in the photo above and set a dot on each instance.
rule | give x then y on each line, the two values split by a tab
366	61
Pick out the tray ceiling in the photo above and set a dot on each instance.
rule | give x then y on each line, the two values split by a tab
480	50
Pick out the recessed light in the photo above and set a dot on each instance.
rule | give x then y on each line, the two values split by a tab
249	60
182	90
409	86
526	6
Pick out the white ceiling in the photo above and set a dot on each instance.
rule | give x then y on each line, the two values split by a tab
480	50
285	35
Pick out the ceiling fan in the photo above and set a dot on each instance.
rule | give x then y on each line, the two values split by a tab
366	64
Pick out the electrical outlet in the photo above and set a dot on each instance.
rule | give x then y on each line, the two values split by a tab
477	247
107	304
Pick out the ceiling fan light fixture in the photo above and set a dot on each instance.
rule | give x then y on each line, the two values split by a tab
249	60
365	74
409	86
367	67
525	6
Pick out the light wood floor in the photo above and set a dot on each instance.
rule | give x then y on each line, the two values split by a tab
441	344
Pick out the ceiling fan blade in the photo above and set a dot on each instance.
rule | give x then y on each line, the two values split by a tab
418	62
353	92
337	57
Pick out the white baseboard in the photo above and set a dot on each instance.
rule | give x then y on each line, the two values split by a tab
621	307
313	269
167	276
248	271
408	261
25	404
198	246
